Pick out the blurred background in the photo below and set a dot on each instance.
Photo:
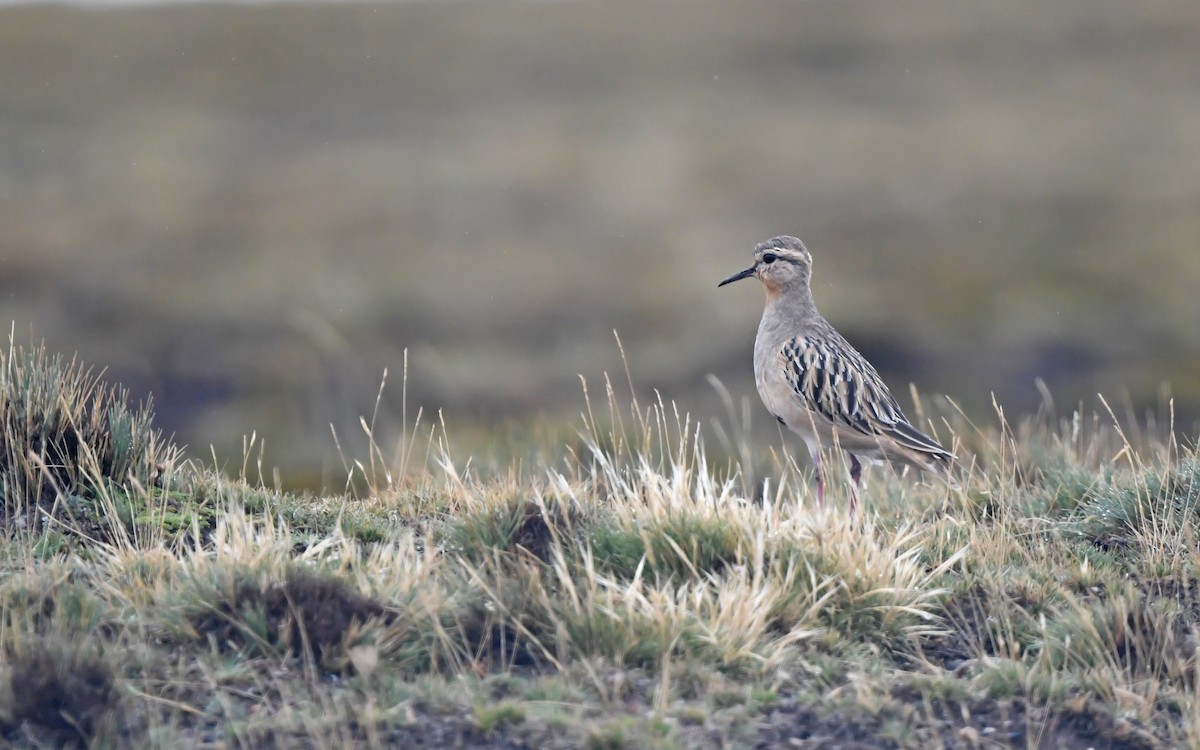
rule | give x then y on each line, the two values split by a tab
249	211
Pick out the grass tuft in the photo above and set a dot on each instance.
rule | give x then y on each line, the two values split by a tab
306	615
58	694
74	454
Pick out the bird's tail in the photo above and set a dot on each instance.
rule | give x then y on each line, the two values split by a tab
925	453
943	464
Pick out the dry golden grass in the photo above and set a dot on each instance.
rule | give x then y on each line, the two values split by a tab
618	591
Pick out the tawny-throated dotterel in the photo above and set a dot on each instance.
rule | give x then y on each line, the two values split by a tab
817	384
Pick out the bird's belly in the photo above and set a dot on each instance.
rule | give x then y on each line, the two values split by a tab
817	431
778	397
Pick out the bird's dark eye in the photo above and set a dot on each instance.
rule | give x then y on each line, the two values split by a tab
768	257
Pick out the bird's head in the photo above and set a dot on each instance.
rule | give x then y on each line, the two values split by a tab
781	264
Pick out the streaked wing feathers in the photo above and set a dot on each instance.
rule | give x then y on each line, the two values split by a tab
837	382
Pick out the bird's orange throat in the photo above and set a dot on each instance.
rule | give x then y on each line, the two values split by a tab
774	289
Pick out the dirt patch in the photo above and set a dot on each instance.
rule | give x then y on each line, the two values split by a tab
937	723
982	622
536	531
498	643
59	697
538	528
447	731
519	528
307	614
971	632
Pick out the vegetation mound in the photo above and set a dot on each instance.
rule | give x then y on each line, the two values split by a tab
70	444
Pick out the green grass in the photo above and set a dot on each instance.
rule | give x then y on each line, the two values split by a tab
617	593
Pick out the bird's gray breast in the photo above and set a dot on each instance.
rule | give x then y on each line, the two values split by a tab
777	393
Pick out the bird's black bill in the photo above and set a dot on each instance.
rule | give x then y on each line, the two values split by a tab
738	276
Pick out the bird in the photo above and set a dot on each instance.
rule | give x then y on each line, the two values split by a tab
817	385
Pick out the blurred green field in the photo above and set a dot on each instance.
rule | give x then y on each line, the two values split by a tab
252	211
